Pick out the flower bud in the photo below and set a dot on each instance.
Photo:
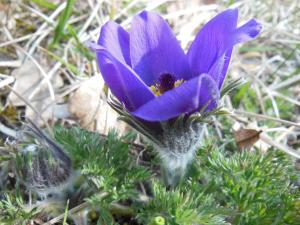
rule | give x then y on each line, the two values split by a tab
42	165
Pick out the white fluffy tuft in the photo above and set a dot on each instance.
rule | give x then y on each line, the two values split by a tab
177	150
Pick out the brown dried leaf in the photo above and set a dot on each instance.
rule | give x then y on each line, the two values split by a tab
246	138
87	105
208	2
27	78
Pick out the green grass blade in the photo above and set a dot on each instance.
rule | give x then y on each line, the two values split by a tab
69	66
63	19
45	4
66	214
79	46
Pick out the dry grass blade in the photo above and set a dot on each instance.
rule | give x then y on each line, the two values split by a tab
265	138
30	105
72	211
264	117
7	80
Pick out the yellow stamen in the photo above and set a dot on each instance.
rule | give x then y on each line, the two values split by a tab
156	90
178	83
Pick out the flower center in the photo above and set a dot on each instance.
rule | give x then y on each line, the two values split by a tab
165	83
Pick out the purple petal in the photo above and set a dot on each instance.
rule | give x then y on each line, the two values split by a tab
188	97
209	43
116	40
154	49
242	34
223	73
122	80
219	69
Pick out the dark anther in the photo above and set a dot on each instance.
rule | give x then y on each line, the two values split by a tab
166	82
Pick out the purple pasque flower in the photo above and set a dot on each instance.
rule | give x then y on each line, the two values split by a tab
147	70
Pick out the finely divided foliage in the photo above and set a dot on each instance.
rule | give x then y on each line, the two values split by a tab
221	187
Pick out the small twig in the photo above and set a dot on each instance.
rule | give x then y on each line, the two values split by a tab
23	38
96	111
115	207
12	63
284	134
33	109
217	127
8	131
46	78
265	138
282	64
269	94
287	83
260	116
61	216
291	100
8	80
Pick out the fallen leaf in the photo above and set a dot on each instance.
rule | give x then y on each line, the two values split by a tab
208	2
89	106
27	78
246	138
